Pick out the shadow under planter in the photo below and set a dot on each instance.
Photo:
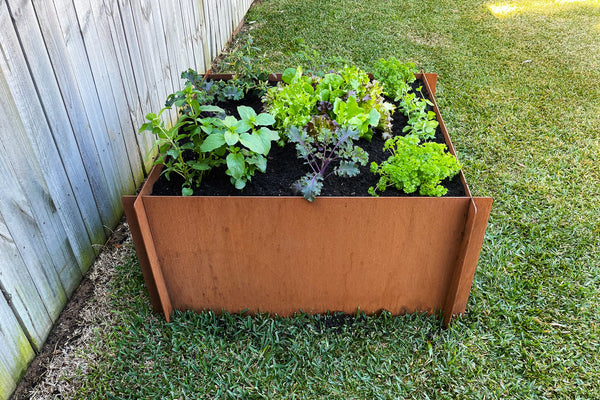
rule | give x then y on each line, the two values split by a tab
283	255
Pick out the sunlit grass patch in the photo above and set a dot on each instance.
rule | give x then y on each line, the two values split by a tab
505	9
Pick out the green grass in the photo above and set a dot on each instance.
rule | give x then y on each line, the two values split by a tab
520	93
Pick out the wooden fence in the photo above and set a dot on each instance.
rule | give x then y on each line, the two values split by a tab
76	79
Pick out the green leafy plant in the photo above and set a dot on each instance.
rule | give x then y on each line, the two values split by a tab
178	145
397	78
248	77
348	97
204	138
329	149
205	91
350	113
292	104
395	75
247	73
414	166
421	122
241	144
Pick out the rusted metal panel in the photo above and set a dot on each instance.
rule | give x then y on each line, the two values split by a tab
431	81
138	241
283	255
150	251
471	255
459	268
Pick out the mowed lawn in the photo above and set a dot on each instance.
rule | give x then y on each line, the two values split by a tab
519	89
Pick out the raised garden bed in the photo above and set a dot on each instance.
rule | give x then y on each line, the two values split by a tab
282	254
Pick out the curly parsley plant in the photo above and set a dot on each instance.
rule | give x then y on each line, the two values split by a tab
415	166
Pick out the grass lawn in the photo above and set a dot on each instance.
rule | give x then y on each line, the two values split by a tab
519	88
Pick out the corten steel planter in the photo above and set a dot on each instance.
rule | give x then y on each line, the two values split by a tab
283	255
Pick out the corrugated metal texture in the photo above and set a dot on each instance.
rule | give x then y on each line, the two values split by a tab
76	79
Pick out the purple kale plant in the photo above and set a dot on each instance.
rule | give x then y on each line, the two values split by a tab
330	151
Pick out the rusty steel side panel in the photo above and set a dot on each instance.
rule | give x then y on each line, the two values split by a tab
484	207
138	240
431	81
155	267
459	266
283	255
140	249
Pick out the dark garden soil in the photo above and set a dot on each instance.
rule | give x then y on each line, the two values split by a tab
284	168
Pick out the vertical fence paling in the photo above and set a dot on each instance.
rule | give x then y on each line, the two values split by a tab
76	79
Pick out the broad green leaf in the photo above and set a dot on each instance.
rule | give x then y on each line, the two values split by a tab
288	75
243	126
246	112
266	135
218	122
186	191
239	183
333	80
374	117
324	95
353	107
261	163
173	153
208	129
264	119
230	121
336	93
195	130
164	147
199	165
236	165
231	138
212	142
211	108
145	127
253	142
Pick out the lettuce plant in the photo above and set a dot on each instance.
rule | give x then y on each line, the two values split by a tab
332	150
292	104
395	75
357	102
414	166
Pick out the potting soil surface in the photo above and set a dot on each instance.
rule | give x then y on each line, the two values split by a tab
284	167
